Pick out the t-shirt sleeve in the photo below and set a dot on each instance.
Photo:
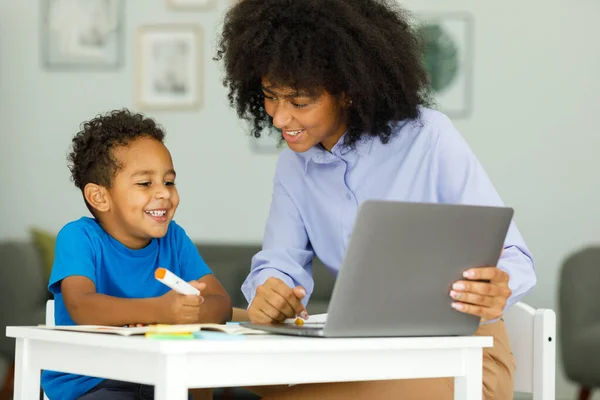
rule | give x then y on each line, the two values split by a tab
73	255
192	265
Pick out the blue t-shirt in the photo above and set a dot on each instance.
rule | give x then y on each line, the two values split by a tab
83	248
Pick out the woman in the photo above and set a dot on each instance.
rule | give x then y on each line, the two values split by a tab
343	83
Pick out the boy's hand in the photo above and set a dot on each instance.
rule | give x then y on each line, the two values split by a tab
276	301
175	308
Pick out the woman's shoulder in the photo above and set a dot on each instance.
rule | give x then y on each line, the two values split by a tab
432	117
425	130
428	121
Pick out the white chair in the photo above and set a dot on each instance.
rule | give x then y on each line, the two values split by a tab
50	313
532	336
49	321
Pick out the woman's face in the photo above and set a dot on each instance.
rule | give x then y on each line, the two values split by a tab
305	120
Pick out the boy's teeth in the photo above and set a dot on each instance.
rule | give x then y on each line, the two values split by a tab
294	133
156	213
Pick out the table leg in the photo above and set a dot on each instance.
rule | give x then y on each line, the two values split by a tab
172	383
470	386
27	375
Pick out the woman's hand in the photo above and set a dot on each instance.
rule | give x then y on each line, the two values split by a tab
483	299
276	301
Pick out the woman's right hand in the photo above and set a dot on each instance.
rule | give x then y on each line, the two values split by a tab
276	301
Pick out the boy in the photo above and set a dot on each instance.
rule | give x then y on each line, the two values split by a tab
103	272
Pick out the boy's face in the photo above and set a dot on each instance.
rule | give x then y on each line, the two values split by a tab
143	197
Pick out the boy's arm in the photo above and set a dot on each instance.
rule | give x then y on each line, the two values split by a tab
217	303
87	307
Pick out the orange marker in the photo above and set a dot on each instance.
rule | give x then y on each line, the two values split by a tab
299	321
174	282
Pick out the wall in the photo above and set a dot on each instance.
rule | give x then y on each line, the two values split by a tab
224	187
533	127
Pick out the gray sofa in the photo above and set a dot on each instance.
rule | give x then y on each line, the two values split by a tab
23	282
23	291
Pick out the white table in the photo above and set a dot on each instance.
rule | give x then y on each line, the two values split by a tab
176	365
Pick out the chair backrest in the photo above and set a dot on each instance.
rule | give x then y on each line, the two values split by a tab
579	311
49	321
50	313
532	336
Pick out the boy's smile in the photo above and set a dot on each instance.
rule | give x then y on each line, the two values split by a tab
143	197
159	215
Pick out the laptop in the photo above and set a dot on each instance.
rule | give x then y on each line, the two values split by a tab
400	263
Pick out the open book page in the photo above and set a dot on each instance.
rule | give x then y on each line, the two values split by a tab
126	331
233	329
312	319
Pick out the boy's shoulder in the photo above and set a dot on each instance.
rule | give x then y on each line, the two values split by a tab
83	226
89	229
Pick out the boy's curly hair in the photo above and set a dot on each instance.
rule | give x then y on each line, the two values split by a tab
91	159
365	49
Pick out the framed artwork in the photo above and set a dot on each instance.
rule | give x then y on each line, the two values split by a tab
169	63
192	4
448	44
82	34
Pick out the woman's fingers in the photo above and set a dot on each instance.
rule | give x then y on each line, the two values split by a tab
485	299
275	301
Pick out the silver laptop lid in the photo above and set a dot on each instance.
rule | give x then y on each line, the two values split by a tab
401	261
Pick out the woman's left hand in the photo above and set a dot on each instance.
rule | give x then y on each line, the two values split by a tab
483	299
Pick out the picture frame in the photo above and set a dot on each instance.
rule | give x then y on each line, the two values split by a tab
448	44
192	4
82	34
169	67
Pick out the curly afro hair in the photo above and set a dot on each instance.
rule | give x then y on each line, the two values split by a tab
91	159
363	49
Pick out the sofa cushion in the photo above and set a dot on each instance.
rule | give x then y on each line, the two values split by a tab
23	292
45	243
230	264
